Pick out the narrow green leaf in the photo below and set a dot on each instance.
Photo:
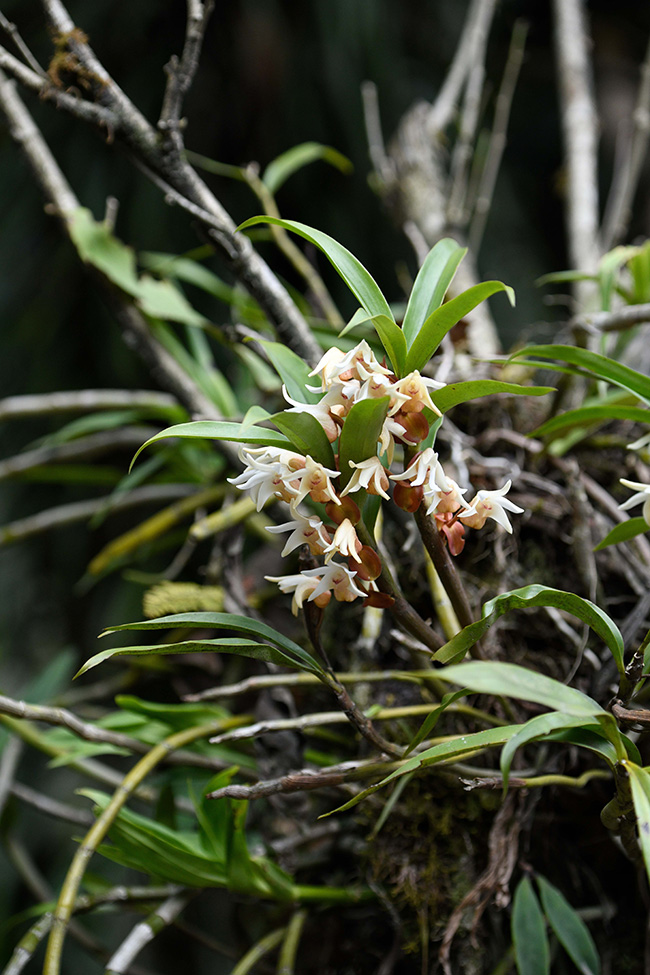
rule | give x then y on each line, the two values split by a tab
593	741
562	276
444	318
224	621
161	299
569	928
293	371
307	436
219	430
244	648
640	784
512	680
529	932
538	727
282	167
358	280
528	597
591	414
599	366
452	749
624	532
360	434
96	245
432	719
392	339
431	283
456	393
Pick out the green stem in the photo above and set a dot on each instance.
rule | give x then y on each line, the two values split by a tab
289	950
258	951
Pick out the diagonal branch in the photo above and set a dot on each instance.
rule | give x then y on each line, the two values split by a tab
180	74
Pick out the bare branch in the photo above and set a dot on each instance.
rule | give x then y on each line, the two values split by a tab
52	807
180	74
144	932
85	400
84	448
626	178
374	135
580	128
90	732
8	764
614	321
306	779
14	34
498	136
464	147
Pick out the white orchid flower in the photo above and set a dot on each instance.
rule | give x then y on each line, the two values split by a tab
306	531
320	411
642	495
415	388
266	473
314	480
491	504
336	578
370	475
345	542
337	366
302	587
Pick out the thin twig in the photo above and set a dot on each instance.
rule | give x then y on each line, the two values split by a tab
87	401
614	321
52	807
14	34
372	119
463	148
8	764
59	717
180	74
82	448
580	127
618	210
498	136
146	931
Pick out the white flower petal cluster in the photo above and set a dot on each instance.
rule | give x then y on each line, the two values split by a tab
318	585
491	504
304	531
642	495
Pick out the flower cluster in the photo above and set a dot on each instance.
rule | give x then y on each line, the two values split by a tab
305	484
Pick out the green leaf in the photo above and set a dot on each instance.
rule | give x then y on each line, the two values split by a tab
640	785
449	750
219	430
597	365
392	339
360	433
245	648
160	299
431	283
528	597
282	167
456	393
624	532
358	280
432	719
225	621
444	318
537	727
293	371
591	414
532	954
562	276
512	680
569	928
307	436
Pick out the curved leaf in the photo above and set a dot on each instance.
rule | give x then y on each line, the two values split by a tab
219	430
293	371
244	648
306	435
640	785
431	283
359	281
529	932
624	532
444	318
528	597
512	680
591	414
537	727
360	434
569	928
598	365
282	167
392	339
224	621
456	393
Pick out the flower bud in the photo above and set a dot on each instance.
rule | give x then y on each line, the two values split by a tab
454	532
380	600
346	509
370	566
416	426
407	497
